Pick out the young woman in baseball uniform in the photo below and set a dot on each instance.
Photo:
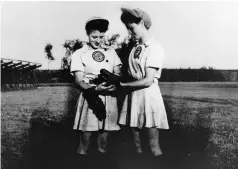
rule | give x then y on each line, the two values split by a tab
86	64
144	107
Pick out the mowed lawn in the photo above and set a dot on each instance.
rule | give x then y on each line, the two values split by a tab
37	130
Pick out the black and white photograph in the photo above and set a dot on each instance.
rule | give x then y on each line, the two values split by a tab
119	84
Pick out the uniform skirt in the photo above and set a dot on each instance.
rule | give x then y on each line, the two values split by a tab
85	120
144	108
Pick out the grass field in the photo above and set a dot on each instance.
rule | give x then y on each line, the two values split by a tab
37	131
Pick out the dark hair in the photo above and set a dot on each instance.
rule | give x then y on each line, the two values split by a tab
99	25
128	18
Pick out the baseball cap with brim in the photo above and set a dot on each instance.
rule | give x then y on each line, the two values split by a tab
138	13
97	19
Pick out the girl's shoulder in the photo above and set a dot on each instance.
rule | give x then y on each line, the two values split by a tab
155	45
109	50
81	51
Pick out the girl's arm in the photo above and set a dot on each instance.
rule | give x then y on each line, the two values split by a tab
142	83
78	80
117	70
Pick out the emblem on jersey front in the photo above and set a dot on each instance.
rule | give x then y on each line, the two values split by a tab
98	56
137	52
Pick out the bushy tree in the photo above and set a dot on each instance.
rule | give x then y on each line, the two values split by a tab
71	46
49	55
112	41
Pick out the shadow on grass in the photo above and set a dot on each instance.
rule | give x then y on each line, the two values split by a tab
54	146
51	140
186	147
49	145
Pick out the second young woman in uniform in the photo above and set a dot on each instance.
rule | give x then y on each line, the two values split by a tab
144	106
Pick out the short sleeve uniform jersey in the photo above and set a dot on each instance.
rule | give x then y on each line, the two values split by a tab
145	107
90	62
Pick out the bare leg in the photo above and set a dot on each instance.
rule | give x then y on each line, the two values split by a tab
153	134
136	136
102	141
84	142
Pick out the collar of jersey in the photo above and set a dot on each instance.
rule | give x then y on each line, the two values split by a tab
88	48
148	42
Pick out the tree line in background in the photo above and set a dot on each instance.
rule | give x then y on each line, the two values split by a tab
168	75
123	49
192	75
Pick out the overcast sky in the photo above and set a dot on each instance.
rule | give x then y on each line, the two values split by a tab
193	34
